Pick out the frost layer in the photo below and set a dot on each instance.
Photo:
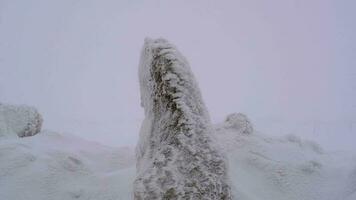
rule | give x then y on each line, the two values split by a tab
175	156
22	121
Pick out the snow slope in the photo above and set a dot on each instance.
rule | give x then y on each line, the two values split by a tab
61	166
279	168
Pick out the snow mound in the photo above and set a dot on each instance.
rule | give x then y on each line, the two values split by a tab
64	167
176	158
22	121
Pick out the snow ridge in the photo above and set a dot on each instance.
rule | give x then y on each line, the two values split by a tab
176	158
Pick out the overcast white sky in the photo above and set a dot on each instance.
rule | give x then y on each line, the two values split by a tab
290	65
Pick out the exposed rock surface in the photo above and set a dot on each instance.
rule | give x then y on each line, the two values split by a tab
22	121
176	158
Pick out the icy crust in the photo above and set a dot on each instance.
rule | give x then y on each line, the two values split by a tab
175	156
22	121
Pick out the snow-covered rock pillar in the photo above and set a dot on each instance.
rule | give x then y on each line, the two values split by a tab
176	158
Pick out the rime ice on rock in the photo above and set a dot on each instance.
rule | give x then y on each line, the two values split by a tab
22	121
239	122
175	155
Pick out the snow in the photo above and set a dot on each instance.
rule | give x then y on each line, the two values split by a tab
279	168
61	166
180	154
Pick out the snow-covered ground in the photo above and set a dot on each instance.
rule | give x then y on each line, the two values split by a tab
287	167
54	166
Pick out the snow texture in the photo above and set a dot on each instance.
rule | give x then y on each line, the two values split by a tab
176	158
22	121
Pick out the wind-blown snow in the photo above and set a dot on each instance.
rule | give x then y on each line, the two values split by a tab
175	156
21	121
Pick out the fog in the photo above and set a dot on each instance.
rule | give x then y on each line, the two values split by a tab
289	65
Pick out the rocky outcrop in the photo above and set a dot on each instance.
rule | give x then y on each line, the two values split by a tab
176	158
22	121
239	122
